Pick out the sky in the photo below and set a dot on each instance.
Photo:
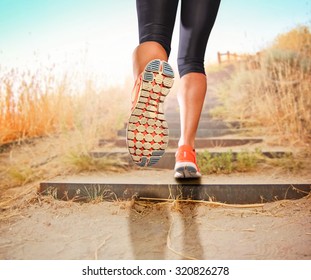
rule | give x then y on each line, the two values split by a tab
100	35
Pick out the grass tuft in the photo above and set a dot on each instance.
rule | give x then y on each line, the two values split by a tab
85	162
223	163
246	161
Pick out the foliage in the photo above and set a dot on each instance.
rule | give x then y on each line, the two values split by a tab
227	162
276	95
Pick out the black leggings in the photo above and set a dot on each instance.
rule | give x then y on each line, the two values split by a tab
156	20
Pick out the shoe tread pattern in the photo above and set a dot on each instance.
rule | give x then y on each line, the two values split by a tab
147	130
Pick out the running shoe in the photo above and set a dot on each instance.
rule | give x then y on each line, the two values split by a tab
147	129
186	164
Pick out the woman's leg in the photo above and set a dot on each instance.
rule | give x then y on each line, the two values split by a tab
156	21
191	97
147	130
197	20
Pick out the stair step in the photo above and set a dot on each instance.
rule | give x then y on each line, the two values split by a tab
167	161
199	142
205	124
174	115
162	185
201	133
170	107
209	124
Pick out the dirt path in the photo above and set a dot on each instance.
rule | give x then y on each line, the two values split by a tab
121	230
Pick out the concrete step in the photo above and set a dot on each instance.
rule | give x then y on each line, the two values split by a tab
199	143
210	99
201	133
154	184
171	107
174	115
210	124
205	124
168	159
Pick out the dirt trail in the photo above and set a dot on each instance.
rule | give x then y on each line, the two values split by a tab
121	230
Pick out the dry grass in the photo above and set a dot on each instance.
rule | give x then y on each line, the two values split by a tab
32	105
276	95
62	119
43	102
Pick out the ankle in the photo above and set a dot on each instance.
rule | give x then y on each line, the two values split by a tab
186	143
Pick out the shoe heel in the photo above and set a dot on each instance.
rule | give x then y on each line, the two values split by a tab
153	66
167	70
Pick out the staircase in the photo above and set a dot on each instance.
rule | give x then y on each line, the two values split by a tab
158	183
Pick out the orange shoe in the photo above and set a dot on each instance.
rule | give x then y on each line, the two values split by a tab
147	129
186	164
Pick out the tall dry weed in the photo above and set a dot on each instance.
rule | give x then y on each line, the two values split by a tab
40	103
32	105
277	95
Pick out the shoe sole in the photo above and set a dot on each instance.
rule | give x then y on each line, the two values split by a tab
186	170
147	130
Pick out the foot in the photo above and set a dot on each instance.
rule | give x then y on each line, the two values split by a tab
186	165
147	129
